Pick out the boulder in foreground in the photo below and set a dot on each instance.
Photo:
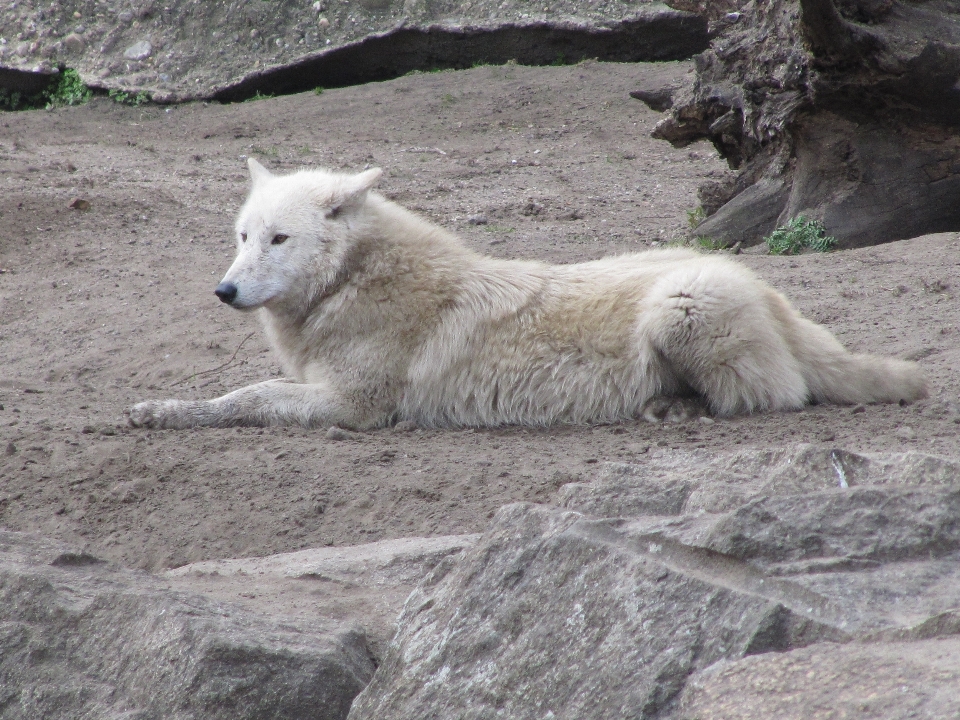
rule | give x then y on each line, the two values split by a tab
558	614
81	639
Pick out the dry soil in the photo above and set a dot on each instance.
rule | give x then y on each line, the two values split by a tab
102	307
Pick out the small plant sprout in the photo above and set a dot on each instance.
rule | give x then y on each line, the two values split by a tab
695	217
128	98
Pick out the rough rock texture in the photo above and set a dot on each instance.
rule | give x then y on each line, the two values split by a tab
677	483
181	50
841	110
555	613
363	585
868	682
82	639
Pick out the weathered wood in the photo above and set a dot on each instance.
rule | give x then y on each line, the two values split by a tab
847	111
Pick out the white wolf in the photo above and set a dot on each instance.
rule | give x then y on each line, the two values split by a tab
380	316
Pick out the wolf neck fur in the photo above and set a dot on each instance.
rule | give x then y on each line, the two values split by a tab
386	242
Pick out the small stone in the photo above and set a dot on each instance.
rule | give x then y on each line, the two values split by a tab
857	409
74	43
323	23
477	220
707	420
905	432
138	51
11	449
79	204
405	426
125	16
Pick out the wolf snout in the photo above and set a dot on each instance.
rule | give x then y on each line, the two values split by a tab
226	291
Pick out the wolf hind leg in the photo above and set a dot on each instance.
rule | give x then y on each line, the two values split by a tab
716	330
669	409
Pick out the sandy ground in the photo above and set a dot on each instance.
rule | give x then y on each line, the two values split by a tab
108	306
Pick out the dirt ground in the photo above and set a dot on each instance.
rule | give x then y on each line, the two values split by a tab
108	306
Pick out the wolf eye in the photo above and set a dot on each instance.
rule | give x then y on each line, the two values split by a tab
243	237
279	239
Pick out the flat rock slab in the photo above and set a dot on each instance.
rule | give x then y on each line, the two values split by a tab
363	585
558	614
868	682
82	639
182	50
676	483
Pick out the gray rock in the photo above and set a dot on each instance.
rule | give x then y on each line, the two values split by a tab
557	614
81	639
138	51
74	43
364	585
672	483
876	681
554	615
230	51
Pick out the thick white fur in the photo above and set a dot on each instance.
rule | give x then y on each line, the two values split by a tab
379	316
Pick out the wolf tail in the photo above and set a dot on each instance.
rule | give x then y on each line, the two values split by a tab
834	375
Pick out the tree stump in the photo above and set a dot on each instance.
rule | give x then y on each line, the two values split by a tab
845	111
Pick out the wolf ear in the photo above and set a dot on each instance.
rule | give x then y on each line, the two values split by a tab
258	173
354	190
364	181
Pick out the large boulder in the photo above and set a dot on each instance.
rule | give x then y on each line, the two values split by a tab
361	585
82	639
560	614
182	50
846	111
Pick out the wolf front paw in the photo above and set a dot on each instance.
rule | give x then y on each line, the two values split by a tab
159	414
145	415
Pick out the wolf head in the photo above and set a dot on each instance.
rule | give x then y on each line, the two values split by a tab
293	234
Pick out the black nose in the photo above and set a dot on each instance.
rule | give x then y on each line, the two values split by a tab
226	291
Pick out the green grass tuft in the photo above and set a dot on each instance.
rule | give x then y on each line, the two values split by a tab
66	88
705	242
800	234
